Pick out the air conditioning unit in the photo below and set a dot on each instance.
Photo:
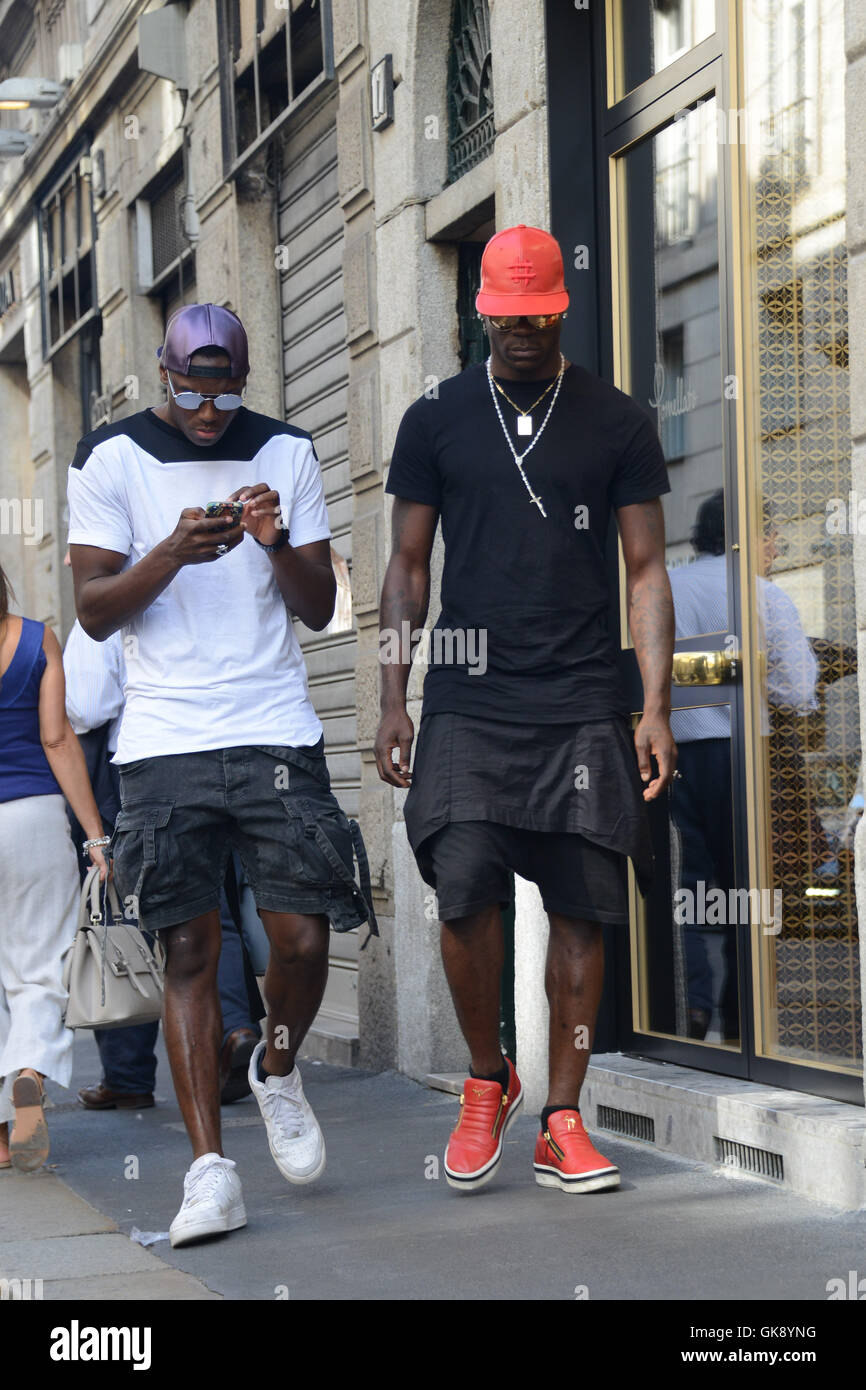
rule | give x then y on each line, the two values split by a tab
70	61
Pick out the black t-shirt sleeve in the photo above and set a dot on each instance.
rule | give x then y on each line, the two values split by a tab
641	472
413	473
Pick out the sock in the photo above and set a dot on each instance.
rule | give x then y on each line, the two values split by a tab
500	1076
551	1110
261	1074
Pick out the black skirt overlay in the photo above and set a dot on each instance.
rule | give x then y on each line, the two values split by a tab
580	777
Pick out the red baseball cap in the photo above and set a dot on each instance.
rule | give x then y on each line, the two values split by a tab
522	273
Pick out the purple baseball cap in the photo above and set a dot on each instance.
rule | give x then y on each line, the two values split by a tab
198	326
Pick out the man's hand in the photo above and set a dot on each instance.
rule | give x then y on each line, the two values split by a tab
653	737
396	730
195	539
262	512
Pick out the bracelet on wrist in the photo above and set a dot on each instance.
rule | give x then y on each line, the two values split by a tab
90	844
282	539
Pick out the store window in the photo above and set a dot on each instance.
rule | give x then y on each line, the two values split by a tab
275	58
647	36
809	760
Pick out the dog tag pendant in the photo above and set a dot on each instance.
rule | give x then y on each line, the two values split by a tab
524	424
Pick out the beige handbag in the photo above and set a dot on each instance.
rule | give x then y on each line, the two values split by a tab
111	975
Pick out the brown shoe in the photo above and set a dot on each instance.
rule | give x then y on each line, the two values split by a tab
101	1097
28	1144
235	1057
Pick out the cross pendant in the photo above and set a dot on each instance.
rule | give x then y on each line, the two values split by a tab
537	502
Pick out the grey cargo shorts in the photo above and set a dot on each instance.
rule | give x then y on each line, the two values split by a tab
183	813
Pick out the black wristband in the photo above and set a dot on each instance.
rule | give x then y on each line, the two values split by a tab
282	539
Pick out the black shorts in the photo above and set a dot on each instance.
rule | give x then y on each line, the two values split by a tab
468	863
183	813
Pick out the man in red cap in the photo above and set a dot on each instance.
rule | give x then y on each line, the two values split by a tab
219	746
525	761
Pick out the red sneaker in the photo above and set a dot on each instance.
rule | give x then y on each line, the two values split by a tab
566	1157
475	1146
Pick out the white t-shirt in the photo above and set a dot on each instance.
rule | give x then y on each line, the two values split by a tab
214	661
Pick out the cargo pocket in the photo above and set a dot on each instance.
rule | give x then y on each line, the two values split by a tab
322	855
144	848
320	845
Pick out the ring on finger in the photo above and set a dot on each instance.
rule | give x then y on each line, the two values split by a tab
222	550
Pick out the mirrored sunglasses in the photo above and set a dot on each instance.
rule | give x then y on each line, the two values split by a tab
534	320
191	400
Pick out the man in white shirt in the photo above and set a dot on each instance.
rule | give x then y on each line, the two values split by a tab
95	678
220	747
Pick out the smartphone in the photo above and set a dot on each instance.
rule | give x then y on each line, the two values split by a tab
231	510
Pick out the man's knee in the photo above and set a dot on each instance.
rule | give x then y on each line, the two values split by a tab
193	950
296	939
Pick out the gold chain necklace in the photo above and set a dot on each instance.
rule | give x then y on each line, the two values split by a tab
524	417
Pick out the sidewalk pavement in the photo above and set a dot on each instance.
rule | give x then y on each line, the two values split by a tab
382	1223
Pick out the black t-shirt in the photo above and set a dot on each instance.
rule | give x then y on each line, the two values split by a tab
527	596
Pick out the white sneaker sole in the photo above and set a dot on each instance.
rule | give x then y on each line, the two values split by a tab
607	1179
213	1226
299	1178
472	1181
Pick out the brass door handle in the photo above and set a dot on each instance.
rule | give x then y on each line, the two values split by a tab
704	668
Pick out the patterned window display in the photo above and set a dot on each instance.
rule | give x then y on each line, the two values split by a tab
809	751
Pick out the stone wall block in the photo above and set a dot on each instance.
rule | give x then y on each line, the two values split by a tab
358	286
353	137
363	424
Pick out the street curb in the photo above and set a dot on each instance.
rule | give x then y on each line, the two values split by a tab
55	1245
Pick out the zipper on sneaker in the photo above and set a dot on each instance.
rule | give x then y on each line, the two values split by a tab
503	1101
553	1144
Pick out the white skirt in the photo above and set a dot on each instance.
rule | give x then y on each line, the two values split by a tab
39	892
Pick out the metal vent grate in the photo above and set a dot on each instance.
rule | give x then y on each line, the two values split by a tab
747	1159
625	1123
167	238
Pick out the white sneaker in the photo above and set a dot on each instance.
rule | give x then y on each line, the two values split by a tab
212	1201
295	1140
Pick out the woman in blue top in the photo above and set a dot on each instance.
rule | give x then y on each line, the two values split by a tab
40	762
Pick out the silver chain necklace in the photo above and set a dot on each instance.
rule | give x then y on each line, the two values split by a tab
518	458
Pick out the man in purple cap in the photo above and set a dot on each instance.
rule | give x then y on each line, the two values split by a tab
219	746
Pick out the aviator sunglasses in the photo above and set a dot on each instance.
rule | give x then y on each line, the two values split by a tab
534	320
191	400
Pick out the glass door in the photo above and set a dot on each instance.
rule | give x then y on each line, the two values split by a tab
671	344
725	159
